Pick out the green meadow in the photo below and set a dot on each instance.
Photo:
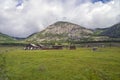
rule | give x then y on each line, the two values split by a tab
80	64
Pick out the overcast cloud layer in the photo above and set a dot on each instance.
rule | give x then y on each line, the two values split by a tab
20	18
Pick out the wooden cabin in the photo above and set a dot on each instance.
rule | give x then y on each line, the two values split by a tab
31	47
57	47
72	47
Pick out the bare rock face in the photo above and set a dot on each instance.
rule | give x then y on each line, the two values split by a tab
67	28
62	31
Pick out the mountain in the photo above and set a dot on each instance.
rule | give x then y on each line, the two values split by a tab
61	31
112	32
67	32
5	38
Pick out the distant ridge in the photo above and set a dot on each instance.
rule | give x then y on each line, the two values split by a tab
5	38
113	31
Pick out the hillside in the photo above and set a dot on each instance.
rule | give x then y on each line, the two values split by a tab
5	38
61	31
112	32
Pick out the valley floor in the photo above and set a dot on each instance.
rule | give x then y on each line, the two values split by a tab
80	64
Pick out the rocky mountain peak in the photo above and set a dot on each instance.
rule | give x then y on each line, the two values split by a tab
62	31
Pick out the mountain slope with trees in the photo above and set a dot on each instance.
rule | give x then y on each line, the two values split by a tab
112	32
5	38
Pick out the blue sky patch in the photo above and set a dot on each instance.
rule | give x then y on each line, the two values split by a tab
103	1
19	3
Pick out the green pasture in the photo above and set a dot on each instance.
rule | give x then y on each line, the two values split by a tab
80	64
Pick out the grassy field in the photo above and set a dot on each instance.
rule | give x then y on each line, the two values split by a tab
80	64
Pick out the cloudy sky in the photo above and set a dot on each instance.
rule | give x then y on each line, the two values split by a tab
20	18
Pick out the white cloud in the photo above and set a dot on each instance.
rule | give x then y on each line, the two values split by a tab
34	15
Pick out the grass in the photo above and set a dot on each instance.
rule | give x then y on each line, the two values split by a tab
80	64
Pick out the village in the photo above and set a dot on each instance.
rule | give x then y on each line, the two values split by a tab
43	47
